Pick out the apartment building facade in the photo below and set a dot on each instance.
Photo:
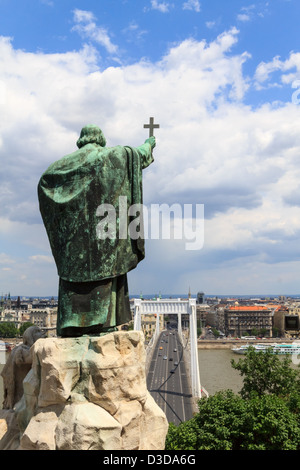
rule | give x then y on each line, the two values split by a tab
243	320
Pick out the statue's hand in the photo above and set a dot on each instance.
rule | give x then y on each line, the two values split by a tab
151	141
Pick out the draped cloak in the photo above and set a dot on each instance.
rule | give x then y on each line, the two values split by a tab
92	269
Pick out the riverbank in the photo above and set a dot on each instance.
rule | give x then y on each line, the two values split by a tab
226	343
229	343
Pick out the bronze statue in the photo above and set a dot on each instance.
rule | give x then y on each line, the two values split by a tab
93	266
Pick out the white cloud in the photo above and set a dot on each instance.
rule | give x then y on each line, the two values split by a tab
264	69
85	25
251	12
211	149
6	259
289	70
243	17
210	24
192	5
133	32
83	16
41	258
163	7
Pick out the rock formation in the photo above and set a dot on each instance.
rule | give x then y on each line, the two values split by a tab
86	393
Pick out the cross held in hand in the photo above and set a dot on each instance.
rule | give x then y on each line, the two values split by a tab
151	126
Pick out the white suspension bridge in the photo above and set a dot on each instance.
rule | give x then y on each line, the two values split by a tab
174	307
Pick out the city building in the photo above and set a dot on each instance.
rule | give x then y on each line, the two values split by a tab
204	315
200	298
149	324
286	321
244	320
45	319
39	312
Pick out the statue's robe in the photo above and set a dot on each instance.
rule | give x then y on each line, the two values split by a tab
93	291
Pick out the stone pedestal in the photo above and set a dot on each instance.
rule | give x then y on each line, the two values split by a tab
86	393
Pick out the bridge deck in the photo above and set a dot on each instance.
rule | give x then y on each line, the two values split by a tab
171	390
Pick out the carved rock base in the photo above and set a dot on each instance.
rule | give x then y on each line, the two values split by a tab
86	393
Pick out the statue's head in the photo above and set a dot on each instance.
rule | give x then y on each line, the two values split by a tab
32	334
91	134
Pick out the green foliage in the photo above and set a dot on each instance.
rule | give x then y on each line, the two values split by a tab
216	333
265	372
228	422
217	426
264	416
183	437
8	330
272	425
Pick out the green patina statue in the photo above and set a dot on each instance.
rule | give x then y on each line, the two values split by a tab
93	261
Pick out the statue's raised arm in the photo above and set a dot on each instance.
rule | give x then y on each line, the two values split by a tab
151	141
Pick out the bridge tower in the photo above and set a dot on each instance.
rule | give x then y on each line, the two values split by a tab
179	307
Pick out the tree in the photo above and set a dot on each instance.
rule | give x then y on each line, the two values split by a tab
217	426
265	372
226	421
216	333
264	416
272	424
8	330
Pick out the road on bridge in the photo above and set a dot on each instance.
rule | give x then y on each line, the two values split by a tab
167	379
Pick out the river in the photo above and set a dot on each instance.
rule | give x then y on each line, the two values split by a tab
216	372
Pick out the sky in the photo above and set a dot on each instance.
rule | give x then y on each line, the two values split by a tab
222	79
